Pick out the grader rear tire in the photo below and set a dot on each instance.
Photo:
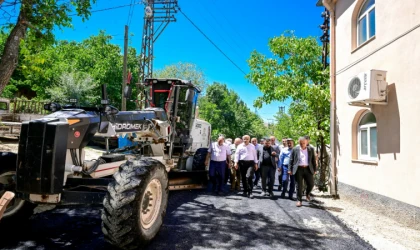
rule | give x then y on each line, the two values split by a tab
18	211
135	204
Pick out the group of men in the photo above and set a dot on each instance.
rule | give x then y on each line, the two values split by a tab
245	159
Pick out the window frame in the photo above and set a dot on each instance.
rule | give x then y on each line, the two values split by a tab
366	127
360	16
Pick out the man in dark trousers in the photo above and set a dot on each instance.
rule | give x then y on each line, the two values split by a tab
267	166
246	160
302	165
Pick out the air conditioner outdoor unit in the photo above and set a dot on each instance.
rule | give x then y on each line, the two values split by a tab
368	87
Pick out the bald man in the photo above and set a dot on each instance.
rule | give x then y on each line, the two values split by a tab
247	161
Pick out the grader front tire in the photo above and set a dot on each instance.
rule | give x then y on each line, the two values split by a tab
135	204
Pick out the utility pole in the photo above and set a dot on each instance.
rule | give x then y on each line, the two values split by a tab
124	73
281	109
159	12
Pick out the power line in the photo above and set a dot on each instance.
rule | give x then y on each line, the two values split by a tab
110	8
217	47
244	41
130	13
221	28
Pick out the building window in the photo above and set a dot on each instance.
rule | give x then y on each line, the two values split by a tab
366	22
367	137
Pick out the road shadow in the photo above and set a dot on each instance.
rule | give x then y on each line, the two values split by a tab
66	227
195	224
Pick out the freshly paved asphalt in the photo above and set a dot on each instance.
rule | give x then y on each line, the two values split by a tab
198	220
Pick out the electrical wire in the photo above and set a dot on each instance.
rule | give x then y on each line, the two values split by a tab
110	8
243	40
219	34
130	13
214	44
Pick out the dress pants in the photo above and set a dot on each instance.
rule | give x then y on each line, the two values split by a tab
300	175
285	182
267	172
217	167
247	173
235	178
257	177
227	174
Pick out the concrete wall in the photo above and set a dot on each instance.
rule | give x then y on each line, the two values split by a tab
396	173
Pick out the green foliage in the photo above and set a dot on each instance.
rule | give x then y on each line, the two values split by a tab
42	16
73	85
284	127
40	68
184	71
295	72
228	114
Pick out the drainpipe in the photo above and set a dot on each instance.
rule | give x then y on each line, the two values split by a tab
330	5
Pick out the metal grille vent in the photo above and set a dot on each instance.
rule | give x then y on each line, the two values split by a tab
354	88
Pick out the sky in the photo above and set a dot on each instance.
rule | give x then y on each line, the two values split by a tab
236	27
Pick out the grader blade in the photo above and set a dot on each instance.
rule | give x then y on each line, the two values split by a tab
4	201
187	180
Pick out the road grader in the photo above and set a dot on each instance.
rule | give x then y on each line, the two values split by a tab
168	153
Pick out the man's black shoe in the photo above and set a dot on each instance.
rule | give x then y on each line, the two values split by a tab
270	194
282	196
245	194
292	199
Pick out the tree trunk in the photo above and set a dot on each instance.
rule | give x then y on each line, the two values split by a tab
10	55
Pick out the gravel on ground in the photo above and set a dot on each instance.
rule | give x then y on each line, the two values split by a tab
380	231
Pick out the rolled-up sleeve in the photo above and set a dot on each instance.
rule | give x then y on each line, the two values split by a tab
237	154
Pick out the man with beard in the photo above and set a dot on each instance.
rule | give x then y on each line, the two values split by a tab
267	166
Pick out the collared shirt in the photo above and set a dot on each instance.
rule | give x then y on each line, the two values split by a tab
246	153
303	157
219	152
285	156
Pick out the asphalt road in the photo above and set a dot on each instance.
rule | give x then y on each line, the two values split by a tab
198	220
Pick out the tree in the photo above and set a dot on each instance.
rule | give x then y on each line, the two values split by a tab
296	72
185	71
228	114
41	17
41	67
284	126
73	85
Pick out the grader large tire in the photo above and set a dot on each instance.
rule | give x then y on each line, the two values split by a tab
135	204
18	210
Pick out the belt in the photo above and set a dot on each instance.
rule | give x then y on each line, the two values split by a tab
218	161
303	166
247	160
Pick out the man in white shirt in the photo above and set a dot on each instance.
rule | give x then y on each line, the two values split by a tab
257	173
218	154
247	161
302	165
235	174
